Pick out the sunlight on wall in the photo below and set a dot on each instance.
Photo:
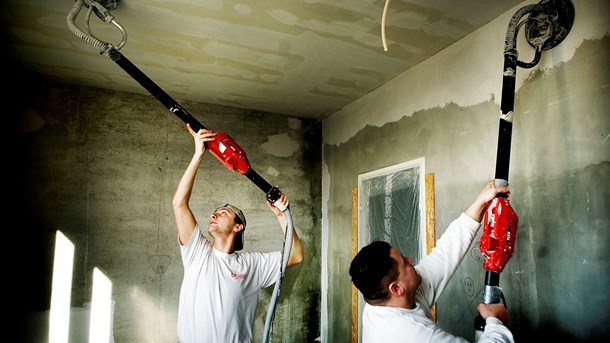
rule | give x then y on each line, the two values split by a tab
100	322
101	308
59	319
154	321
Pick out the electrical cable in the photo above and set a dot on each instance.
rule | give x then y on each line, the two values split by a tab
385	12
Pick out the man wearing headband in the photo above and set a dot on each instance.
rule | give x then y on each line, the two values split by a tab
221	287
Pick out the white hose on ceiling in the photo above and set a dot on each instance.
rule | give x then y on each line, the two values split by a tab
385	11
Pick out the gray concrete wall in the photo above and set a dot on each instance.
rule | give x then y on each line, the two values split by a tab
446	110
103	166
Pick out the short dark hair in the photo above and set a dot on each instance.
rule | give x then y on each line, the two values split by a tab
372	270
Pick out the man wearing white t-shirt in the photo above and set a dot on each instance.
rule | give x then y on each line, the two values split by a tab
221	287
399	295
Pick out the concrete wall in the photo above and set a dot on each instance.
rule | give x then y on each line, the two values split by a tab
446	110
103	166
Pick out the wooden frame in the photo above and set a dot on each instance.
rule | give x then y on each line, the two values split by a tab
430	242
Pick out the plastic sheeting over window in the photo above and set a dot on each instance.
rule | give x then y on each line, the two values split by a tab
390	210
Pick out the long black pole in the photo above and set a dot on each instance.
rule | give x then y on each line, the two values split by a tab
491	290
152	87
492	279
506	122
272	193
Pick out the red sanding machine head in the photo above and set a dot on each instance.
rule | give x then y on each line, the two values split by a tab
499	234
224	148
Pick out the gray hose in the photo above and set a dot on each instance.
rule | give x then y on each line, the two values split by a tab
510	40
278	284
103	14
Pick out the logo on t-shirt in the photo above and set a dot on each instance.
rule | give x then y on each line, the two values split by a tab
238	276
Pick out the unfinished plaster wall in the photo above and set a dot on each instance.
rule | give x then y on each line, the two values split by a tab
103	166
446	110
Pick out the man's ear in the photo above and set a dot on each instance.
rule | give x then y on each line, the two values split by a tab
238	228
396	289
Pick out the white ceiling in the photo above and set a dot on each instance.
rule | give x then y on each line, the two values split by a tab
305	58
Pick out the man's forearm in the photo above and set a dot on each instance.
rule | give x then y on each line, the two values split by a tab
475	210
185	187
296	252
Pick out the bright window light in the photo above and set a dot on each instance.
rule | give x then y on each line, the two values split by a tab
101	308
59	318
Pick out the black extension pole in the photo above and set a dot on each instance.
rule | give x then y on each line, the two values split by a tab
272	193
548	23
506	122
492	279
491	293
491	290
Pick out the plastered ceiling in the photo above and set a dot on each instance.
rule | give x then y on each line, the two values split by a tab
301	58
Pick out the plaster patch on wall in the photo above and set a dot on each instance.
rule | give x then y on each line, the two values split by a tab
436	82
272	171
242	9
280	145
294	123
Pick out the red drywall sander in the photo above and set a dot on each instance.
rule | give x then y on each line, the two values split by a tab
497	243
546	23
224	147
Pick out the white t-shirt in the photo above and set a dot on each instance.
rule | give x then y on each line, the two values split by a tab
385	324
220	291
